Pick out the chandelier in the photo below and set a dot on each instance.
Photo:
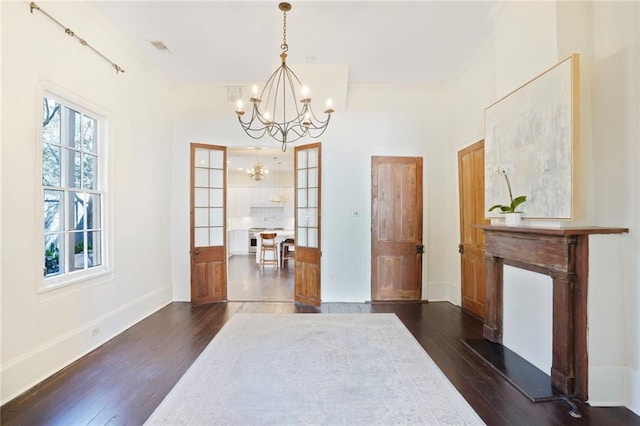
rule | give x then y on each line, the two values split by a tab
277	112
257	171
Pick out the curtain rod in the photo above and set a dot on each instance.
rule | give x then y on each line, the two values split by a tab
68	31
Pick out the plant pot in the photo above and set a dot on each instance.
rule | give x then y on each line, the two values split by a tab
513	219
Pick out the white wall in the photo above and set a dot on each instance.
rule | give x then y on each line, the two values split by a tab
44	331
469	93
526	43
378	120
614	346
529	38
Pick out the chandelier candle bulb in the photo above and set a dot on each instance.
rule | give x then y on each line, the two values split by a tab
329	109
254	90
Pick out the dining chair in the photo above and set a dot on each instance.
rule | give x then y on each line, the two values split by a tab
268	245
287	251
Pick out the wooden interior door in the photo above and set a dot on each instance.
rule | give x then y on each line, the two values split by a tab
308	167
471	248
208	225
396	228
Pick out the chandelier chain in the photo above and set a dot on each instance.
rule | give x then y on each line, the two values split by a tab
284	46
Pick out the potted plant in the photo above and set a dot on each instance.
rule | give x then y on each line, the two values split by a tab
512	216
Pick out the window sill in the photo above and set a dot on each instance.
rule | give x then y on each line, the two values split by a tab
56	283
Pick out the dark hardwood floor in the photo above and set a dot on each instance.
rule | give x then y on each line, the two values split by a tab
247	281
122	381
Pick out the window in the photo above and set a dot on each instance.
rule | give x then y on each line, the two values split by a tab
74	234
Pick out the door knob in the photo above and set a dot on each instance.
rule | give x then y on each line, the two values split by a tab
196	252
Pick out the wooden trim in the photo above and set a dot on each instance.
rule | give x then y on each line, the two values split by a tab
563	254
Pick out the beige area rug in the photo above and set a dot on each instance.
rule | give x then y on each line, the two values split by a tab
296	369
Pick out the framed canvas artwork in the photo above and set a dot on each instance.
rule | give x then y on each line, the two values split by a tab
530	141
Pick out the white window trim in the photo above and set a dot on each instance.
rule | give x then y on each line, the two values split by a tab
99	273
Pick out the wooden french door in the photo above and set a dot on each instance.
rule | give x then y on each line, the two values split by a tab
471	248
396	228
208	226
308	167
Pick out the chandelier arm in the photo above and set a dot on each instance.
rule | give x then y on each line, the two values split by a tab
276	129
317	123
318	134
249	130
288	81
292	79
301	133
268	88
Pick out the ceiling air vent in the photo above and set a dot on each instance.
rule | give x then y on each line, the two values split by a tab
160	46
234	93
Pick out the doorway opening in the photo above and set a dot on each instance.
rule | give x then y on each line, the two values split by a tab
255	204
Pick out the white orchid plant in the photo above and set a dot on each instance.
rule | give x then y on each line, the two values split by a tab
515	202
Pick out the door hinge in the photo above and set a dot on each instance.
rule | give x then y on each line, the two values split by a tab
420	249
461	248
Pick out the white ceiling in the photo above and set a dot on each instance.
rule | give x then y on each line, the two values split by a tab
380	42
239	41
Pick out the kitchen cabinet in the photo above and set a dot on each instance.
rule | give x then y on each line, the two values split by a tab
238	201
289	197
241	200
238	242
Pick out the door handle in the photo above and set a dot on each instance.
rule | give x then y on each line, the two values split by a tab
420	249
461	248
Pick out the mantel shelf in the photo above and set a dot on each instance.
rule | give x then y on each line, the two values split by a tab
578	230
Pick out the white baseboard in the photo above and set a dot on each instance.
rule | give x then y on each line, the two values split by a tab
30	368
634	391
443	292
607	386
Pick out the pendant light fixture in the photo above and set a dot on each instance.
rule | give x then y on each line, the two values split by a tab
257	171
278	112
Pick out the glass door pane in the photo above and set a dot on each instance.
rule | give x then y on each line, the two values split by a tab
307	200
208	202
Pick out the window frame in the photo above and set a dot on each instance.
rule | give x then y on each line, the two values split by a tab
81	105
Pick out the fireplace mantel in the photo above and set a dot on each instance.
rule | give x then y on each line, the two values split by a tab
562	254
